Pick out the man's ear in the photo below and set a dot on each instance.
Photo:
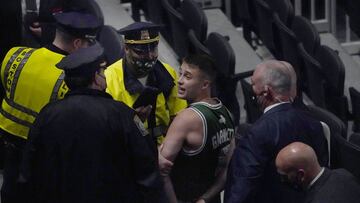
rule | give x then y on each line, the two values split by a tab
206	84
126	48
269	92
77	43
96	78
300	176
266	91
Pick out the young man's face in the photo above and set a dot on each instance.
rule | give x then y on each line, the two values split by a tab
190	82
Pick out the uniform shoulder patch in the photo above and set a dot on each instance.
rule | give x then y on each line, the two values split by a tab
140	125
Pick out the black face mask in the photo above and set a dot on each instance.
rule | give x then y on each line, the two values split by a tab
144	66
258	101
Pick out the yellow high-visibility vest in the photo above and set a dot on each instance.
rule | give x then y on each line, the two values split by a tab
165	107
31	80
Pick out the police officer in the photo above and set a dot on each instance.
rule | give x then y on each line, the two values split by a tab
42	24
31	80
88	147
128	77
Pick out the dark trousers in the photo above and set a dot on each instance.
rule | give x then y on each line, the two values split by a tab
12	191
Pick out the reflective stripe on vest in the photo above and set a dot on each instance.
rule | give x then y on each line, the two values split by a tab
8	65
17	117
12	72
13	69
57	92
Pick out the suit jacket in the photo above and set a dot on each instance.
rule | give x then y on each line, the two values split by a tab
252	175
334	186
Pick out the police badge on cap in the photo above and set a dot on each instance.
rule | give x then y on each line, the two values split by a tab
141	33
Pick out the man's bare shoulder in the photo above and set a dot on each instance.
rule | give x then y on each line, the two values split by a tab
187	117
185	122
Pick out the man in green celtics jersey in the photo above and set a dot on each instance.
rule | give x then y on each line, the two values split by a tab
198	139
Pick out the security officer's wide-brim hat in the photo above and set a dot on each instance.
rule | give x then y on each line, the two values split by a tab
78	24
141	33
84	61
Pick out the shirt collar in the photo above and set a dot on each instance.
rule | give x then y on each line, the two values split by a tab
56	49
273	105
316	178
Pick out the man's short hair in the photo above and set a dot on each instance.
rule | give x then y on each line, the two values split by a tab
279	78
65	37
204	63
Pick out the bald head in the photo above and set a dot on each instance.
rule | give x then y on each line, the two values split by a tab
280	75
296	157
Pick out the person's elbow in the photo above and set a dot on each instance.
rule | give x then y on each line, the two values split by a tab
165	165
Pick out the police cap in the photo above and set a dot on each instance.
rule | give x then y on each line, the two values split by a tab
78	24
141	33
84	61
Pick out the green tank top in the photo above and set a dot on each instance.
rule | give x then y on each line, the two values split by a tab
194	171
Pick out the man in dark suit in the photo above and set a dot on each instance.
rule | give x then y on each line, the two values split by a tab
299	166
252	175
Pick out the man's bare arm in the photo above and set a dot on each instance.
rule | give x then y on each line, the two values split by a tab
175	138
220	180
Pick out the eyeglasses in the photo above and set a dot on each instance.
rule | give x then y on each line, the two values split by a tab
90	40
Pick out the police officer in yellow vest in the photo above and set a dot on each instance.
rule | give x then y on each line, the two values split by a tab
141	69
31	80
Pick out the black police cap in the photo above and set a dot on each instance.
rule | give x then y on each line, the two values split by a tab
141	33
83	62
78	24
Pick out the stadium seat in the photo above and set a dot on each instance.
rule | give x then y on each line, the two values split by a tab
306	33
334	75
315	82
355	139
180	42
289	46
247	15
196	23
265	25
224	58
355	102
348	156
337	129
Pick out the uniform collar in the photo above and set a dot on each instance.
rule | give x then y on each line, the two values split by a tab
132	84
88	91
159	78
